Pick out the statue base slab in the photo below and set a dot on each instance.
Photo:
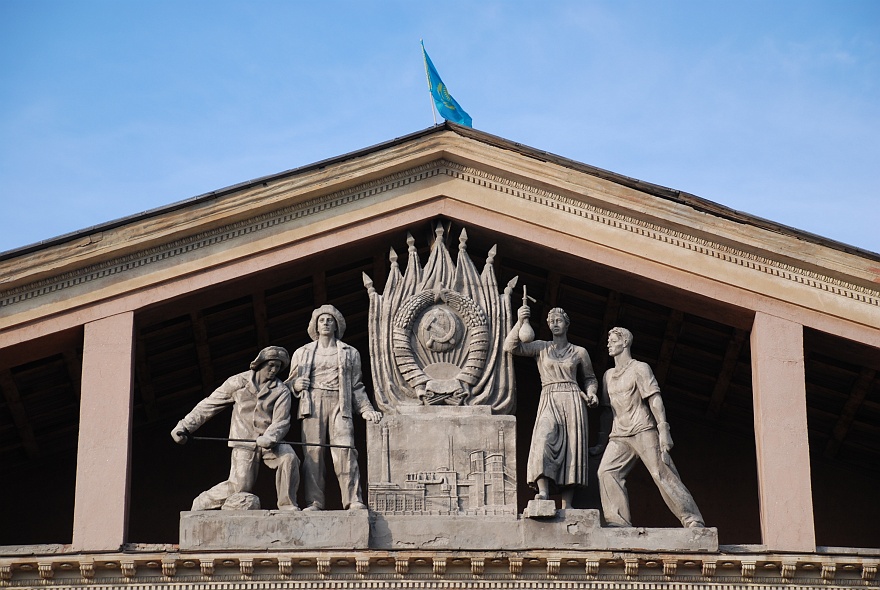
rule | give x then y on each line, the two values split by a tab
228	530
208	530
540	509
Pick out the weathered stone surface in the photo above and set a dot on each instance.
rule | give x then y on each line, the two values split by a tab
569	529
540	509
242	501
444	532
443	460
271	529
642	539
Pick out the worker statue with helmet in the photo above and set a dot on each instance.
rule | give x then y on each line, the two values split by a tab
261	405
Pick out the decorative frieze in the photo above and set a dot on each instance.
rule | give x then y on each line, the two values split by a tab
515	566
169	568
591	567
87	570
445	570
828	571
709	568
246	566
128	568
362	565
323	565
206	566
631	567
401	566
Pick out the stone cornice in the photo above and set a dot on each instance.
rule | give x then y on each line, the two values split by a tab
666	235
251	228
227	233
166	567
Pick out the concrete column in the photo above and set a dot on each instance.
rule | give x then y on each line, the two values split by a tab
780	405
100	514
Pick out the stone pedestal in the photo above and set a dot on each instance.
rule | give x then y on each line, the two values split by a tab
274	529
449	532
540	509
442	460
229	530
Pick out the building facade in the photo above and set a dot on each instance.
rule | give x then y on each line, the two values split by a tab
765	341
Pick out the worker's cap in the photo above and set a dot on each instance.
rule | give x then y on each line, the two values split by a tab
272	353
329	309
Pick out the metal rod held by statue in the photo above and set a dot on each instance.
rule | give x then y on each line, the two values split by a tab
281	442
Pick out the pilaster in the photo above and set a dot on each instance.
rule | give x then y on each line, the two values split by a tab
103	454
780	407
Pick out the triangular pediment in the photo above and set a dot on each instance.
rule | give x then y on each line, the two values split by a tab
656	233
209	281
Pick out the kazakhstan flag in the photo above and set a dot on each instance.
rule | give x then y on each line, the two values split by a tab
446	105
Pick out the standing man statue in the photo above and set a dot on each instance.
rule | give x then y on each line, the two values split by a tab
326	377
639	431
261	406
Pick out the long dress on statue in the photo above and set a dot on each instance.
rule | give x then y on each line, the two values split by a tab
560	442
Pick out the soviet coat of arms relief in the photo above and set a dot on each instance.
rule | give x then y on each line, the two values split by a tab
447	444
437	333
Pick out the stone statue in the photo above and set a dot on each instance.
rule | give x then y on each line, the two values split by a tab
558	455
261	406
326	377
639	431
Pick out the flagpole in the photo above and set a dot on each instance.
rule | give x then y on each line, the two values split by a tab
428	78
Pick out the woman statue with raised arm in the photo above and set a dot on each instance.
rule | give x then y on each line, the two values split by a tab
559	448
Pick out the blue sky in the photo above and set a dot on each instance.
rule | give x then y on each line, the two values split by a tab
109	108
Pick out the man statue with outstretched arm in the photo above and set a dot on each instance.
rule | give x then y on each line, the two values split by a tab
326	377
261	406
638	431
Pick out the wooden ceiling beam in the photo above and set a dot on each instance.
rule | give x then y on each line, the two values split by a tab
144	379
612	311
667	349
19	415
728	366
856	397
319	288
203	350
380	270
73	362
261	319
551	295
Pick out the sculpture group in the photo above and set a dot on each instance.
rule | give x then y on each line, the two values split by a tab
441	336
325	376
